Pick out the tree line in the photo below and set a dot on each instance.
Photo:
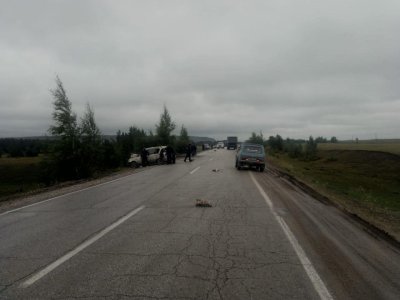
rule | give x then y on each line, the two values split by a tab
77	149
13	147
295	148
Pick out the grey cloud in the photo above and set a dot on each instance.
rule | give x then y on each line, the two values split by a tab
221	67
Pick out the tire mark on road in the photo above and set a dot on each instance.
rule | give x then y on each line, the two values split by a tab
317	282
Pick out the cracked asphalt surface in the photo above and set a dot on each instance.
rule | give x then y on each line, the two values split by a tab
174	250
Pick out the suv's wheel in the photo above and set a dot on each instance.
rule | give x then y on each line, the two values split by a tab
262	168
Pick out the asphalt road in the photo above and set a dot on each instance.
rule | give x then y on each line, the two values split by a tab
142	237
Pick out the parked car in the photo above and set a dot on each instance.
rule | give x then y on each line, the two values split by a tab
164	157
156	155
135	161
251	155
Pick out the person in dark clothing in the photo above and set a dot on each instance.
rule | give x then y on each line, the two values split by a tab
173	156
194	150
144	156
188	153
170	154
162	155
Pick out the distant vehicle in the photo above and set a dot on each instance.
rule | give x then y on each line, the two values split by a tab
232	142
156	155
220	145
251	155
206	147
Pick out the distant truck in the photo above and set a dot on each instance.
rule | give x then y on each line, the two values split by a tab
232	142
220	145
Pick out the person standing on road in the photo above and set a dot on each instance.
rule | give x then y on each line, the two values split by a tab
194	150
170	154
188	153
144	156
162	155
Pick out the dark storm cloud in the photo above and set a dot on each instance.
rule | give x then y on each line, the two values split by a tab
221	67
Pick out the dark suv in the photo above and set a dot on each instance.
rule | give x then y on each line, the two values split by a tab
251	155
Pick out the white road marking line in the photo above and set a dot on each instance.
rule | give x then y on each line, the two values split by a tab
194	170
211	159
35	277
67	194
317	282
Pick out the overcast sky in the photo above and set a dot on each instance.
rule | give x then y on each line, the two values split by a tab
294	68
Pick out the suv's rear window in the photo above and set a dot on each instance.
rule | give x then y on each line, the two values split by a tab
252	149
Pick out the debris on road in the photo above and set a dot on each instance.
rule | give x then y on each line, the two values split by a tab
202	203
216	170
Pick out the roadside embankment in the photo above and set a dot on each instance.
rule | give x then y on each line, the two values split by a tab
365	184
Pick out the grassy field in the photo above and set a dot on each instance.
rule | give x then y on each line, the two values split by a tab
362	179
390	146
19	175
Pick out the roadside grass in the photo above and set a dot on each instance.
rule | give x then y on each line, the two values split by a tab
390	146
365	183
19	175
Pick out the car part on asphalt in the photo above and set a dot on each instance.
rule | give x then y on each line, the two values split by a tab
202	203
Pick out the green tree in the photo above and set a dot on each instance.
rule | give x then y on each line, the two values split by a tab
65	158
124	147
90	151
183	140
184	136
256	138
89	129
109	158
321	140
65	120
131	142
165	127
294	148
334	139
310	152
138	138
275	143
